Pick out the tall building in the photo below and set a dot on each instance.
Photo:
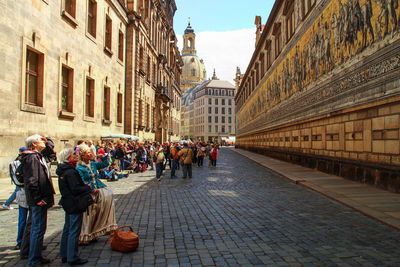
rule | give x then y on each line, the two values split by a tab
193	71
153	76
210	111
322	89
79	69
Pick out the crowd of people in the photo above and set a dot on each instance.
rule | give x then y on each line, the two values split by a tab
87	201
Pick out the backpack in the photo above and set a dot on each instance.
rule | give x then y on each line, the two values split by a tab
16	173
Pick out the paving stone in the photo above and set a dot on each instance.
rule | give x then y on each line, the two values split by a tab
237	214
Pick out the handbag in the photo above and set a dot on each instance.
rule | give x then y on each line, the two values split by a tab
124	241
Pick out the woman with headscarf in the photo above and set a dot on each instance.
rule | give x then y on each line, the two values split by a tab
100	218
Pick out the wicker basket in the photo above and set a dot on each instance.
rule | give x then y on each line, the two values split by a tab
124	241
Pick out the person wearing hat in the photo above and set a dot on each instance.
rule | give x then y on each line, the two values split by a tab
160	157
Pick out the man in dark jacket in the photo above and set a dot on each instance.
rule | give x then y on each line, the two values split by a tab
71	187
39	194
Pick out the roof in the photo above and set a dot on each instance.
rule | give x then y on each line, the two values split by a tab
220	84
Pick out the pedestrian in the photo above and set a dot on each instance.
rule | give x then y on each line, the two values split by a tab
39	195
71	188
200	155
100	218
214	155
174	159
186	158
159	157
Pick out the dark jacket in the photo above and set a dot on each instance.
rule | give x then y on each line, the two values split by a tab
70	185
37	180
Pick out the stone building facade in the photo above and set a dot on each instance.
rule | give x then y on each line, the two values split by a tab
69	71
210	111
322	89
153	76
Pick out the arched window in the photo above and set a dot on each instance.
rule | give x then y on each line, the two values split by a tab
193	72
216	92
223	92
209	92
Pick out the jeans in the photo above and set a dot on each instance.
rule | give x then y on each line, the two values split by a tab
24	250
38	229
159	169
12	197
70	236
214	162
22	216
187	170
174	167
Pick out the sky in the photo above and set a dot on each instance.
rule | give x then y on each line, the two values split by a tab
225	31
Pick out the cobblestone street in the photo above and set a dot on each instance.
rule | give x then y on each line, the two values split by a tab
237	214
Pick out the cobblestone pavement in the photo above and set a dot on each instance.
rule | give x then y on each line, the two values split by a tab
238	214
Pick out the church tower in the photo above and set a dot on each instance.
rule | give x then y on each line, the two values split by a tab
193	71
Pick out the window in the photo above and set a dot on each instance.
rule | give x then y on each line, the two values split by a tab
290	25
269	51
229	119
148	67
223	92
89	98
121	46
34	78
108	34
223	128
209	92
277	39
216	128
230	129
223	110
209	110
229	102
223	119
216	101
67	88
141	58
223	101
216	92
216	110
119	108
209	101
229	111
216	119
148	115
193	72
70	7
209	119
140	112
106	104
209	128
92	18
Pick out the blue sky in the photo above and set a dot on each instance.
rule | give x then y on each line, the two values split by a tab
218	23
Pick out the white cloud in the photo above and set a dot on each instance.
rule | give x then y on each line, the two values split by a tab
224	51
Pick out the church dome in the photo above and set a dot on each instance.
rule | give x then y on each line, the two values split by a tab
193	69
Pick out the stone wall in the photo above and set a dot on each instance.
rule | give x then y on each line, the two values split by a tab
330	98
41	26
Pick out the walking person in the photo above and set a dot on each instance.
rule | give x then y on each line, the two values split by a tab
186	158
39	195
214	156
71	187
174	159
159	157
200	155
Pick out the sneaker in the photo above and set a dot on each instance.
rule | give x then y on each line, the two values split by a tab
5	207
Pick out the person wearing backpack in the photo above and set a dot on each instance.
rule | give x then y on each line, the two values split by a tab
39	192
72	189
